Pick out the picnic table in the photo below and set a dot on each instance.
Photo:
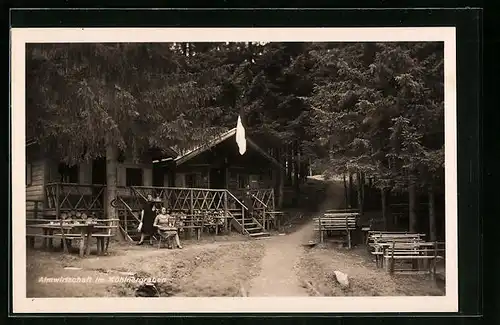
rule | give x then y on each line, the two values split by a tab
418	254
345	222
75	230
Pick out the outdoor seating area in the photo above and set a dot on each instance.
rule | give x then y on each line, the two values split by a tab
337	222
77	227
404	253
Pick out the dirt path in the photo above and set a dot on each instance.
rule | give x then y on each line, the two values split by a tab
278	276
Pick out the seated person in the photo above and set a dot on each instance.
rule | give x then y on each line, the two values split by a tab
165	224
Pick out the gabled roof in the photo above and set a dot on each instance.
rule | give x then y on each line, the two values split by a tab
219	139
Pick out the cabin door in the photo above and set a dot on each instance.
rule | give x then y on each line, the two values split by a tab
99	177
217	178
158	176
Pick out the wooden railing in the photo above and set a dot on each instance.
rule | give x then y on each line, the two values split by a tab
261	196
68	198
194	202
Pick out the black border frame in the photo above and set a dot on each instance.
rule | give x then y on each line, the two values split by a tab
468	23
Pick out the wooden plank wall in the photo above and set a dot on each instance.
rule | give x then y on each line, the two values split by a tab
35	191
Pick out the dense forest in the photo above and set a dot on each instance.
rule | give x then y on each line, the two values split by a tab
372	111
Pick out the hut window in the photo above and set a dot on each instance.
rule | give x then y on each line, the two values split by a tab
133	177
68	174
29	173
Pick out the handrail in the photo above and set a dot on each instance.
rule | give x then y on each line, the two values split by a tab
178	188
236	199
265	205
129	209
75	184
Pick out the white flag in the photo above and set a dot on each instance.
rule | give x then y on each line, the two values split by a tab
240	137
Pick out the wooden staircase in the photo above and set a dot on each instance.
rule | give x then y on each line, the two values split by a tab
247	225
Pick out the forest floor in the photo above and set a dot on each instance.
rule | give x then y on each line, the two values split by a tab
228	265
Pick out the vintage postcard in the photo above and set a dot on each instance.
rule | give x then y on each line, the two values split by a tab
234	170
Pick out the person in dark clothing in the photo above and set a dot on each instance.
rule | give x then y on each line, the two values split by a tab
148	215
248	200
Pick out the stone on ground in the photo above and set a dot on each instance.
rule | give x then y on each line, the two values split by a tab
342	279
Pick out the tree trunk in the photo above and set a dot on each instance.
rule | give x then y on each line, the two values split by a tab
346	192
296	168
412	205
432	214
350	192
111	165
362	179
383	197
289	165
360	193
281	180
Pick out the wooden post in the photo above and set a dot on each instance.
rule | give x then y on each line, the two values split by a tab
392	258
320	230
432	214
58	210
243	218
225	212
264	219
348	232
435	260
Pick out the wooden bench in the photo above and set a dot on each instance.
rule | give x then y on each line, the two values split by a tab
420	255
378	241
375	237
70	230
336	222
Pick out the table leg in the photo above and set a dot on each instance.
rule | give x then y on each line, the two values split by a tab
101	240
98	246
31	242
64	244
107	245
87	244
44	241
51	239
82	243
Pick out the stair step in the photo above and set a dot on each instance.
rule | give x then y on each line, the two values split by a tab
260	235
247	223
252	229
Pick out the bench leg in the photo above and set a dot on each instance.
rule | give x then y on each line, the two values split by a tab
107	245
51	240
45	239
82	244
349	239
198	233
31	242
98	245
68	244
87	244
